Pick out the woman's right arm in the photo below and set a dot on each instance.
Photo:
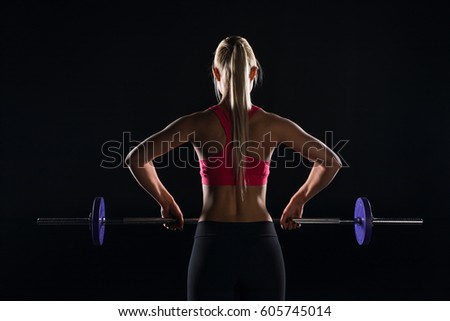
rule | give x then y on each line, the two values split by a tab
326	164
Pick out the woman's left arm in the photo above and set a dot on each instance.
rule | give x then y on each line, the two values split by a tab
140	163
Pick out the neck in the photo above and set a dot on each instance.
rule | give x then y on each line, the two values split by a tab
226	105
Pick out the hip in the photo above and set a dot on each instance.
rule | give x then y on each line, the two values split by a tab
220	229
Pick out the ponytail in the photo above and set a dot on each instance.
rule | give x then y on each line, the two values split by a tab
240	103
234	58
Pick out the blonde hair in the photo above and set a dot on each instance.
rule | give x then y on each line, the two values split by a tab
234	58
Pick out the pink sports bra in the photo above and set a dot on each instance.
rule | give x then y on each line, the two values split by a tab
217	170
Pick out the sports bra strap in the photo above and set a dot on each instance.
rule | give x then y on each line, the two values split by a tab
212	174
225	121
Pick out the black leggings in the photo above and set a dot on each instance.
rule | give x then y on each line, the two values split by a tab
236	261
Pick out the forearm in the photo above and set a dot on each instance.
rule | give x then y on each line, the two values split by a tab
319	178
148	179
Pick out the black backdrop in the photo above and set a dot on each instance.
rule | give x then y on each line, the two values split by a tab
81	83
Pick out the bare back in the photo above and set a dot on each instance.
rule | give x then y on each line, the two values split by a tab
223	203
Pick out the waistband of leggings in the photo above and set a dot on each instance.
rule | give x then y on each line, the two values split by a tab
236	229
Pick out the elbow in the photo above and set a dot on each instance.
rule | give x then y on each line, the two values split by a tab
131	159
127	160
137	158
337	164
331	163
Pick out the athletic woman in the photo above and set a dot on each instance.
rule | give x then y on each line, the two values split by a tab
236	254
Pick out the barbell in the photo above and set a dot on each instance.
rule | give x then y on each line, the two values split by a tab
363	221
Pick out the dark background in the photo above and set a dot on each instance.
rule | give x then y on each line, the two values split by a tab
76	76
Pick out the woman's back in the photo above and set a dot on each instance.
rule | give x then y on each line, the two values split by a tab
223	201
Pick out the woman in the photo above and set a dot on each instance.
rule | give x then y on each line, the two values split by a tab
236	254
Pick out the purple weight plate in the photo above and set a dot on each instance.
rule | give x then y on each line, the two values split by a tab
363	221
97	218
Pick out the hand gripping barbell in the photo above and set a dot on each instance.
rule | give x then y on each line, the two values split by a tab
363	221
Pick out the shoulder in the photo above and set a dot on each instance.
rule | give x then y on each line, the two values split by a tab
185	126
275	121
281	128
195	118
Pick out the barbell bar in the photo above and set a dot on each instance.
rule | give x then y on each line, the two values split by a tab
363	221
